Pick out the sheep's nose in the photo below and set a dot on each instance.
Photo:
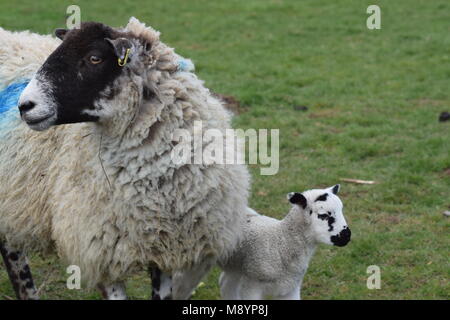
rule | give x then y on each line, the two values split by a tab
26	106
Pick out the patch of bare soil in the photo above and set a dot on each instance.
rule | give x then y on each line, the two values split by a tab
230	102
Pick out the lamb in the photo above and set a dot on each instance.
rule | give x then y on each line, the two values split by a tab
274	255
103	191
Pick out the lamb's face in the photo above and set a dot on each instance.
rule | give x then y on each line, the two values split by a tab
323	208
75	77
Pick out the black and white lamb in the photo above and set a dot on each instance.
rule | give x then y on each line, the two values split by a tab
273	257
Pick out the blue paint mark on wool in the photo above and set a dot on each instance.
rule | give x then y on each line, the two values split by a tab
9	97
185	65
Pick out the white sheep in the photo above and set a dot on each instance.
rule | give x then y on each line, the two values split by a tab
105	193
273	257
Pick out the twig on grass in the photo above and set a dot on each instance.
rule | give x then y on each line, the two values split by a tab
358	181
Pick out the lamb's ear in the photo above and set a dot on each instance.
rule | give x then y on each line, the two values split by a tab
298	199
120	46
335	189
61	33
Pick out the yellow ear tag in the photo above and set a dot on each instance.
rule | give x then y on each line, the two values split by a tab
124	61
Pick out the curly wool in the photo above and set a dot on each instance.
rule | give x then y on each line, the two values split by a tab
23	189
108	195
22	53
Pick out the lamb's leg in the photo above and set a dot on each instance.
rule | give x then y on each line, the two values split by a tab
186	281
115	291
251	290
230	284
161	284
19	273
293	295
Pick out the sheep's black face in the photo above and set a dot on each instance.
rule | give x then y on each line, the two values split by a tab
72	78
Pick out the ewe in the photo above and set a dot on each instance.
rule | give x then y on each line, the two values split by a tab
274	255
105	192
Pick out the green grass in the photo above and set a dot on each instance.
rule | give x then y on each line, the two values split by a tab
374	97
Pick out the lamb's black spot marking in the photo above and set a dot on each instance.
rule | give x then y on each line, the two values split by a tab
310	212
342	238
331	220
298	198
336	189
322	197
29	284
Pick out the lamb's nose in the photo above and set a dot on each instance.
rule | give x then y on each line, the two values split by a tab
25	106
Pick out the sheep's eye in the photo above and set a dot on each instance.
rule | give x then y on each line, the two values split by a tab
95	60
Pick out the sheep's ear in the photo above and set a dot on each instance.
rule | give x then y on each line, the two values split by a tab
120	46
335	189
60	33
298	199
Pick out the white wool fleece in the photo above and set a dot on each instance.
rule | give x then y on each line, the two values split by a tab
134	207
22	53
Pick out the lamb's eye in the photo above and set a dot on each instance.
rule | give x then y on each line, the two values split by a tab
95	60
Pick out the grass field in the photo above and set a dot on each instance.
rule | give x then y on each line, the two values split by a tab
373	98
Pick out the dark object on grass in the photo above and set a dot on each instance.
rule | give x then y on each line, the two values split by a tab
300	108
444	116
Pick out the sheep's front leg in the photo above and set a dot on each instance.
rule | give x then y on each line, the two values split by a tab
161	284
19	273
115	291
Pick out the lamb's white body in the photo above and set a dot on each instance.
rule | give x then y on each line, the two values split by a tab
107	195
274	255
270	262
